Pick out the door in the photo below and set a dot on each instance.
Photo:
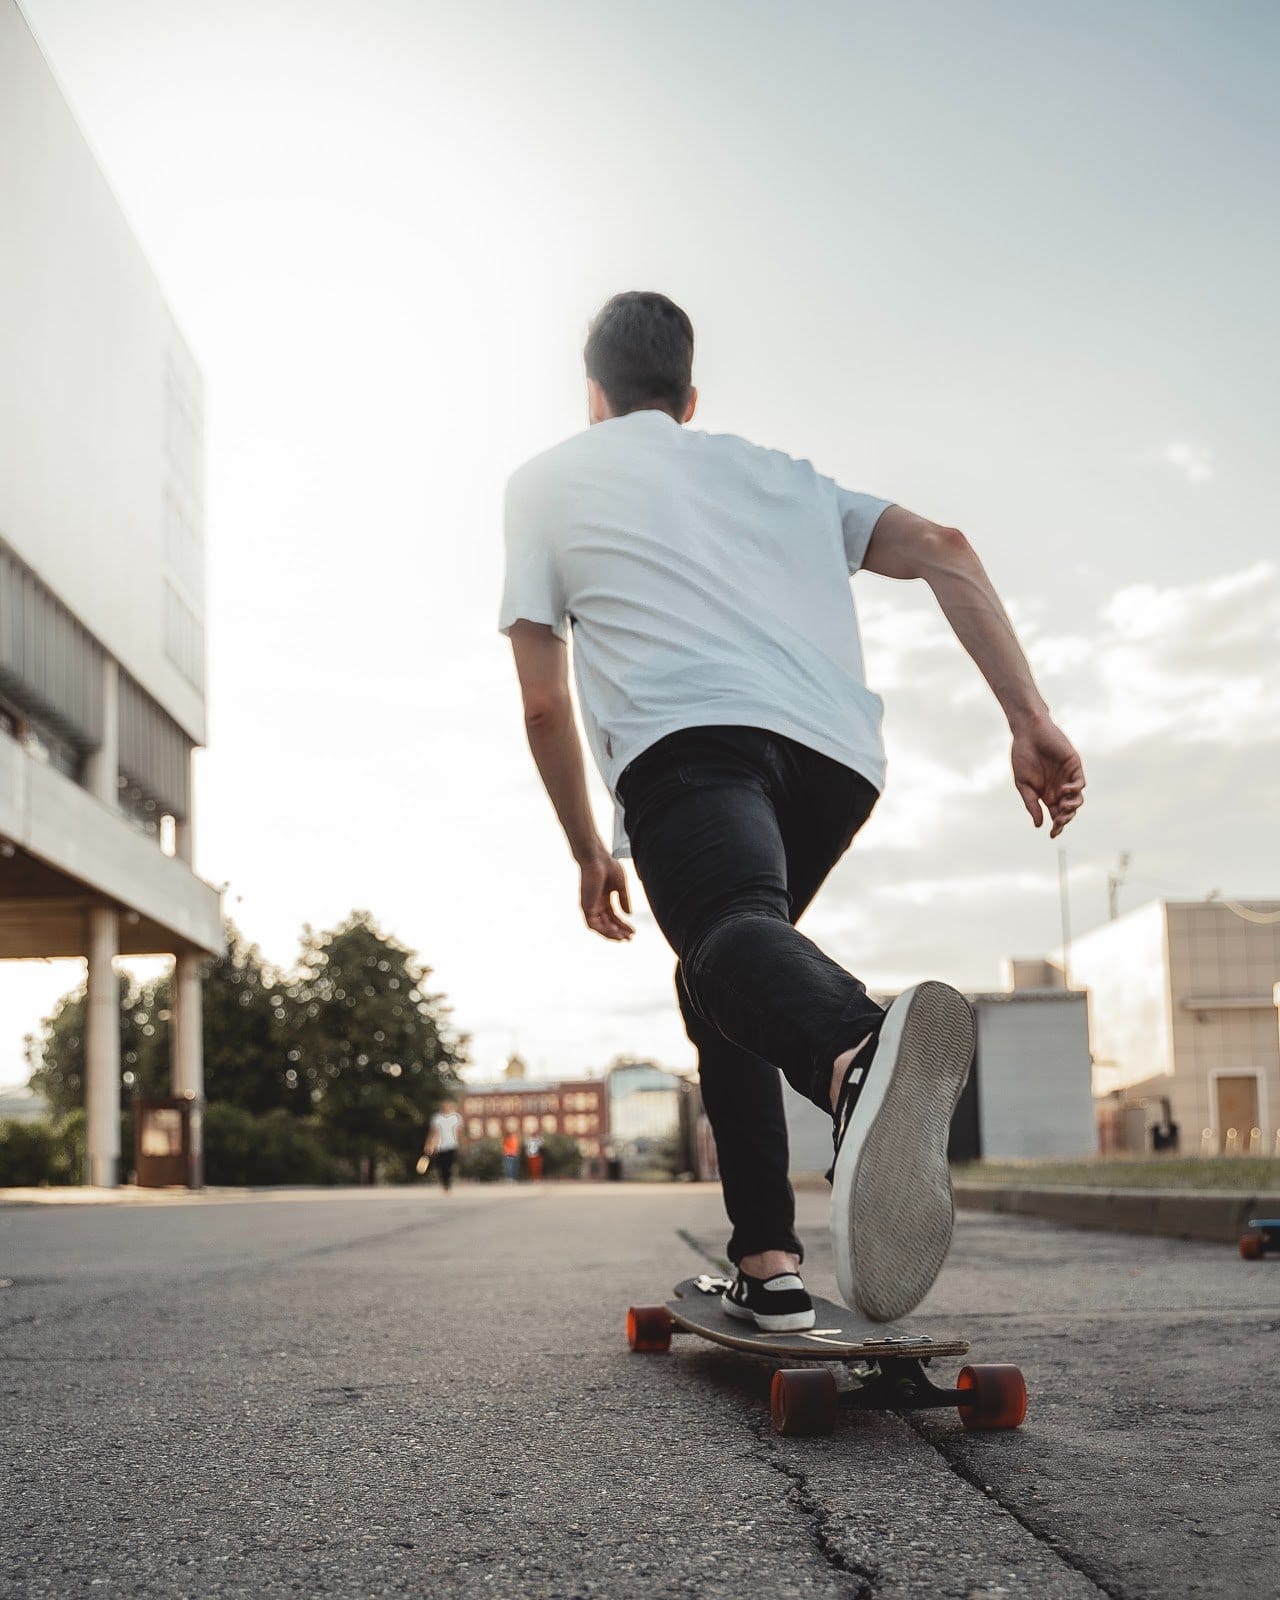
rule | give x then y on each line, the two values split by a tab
1236	1104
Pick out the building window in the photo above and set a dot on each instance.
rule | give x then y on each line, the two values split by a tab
475	1127
493	1127
183	637
548	1124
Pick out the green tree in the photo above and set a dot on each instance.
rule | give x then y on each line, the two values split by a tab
245	1029
56	1051
244	1011
374	1050
247	1033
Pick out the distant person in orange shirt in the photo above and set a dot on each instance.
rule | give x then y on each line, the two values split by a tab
511	1157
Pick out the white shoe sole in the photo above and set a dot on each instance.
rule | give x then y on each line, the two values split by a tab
892	1207
792	1322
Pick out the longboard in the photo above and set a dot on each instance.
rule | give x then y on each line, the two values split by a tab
1261	1238
885	1361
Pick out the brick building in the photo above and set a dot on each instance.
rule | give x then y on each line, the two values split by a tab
578	1109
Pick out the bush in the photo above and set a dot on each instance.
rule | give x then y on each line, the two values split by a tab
240	1148
72	1138
481	1161
27	1151
47	1150
561	1157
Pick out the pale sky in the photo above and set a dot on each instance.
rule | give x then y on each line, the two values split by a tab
1013	265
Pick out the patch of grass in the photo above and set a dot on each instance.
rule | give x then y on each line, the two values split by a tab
1244	1174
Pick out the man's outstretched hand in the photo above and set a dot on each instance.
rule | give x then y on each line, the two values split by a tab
1047	770
602	878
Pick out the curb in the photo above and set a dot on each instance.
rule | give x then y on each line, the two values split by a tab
1212	1215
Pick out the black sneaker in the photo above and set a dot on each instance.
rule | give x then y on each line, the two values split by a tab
892	1209
776	1305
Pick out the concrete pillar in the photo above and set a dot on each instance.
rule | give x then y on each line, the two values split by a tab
187	1057
102	767
102	1052
187	1033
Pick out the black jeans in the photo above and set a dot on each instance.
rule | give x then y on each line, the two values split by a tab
733	831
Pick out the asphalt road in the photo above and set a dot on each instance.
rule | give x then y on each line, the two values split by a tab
400	1393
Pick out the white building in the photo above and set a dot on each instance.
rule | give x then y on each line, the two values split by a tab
1029	1094
644	1115
101	588
1183	999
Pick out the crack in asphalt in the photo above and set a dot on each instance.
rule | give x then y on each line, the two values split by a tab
819	1518
816	1515
799	1494
718	1262
1038	1532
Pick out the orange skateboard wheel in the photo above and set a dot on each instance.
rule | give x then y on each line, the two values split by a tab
649	1329
1251	1244
999	1396
802	1401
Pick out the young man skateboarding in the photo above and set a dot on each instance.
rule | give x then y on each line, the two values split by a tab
720	682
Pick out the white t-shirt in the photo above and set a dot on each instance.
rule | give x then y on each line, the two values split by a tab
706	581
445	1127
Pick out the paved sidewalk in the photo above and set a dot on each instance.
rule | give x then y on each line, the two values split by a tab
400	1393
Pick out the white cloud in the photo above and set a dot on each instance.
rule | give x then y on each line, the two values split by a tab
1194	461
1192	663
1172	695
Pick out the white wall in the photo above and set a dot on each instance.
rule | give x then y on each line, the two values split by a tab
1034	1088
1124	966
808	1132
1034	1081
100	400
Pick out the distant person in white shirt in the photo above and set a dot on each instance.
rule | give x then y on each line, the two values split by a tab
705	584
443	1135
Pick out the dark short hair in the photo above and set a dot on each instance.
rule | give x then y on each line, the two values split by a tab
640	351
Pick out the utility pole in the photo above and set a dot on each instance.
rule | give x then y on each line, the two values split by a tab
1115	882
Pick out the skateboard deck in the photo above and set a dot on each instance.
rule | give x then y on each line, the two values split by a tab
885	1361
838	1334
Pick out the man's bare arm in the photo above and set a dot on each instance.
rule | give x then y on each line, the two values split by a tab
1046	767
542	665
